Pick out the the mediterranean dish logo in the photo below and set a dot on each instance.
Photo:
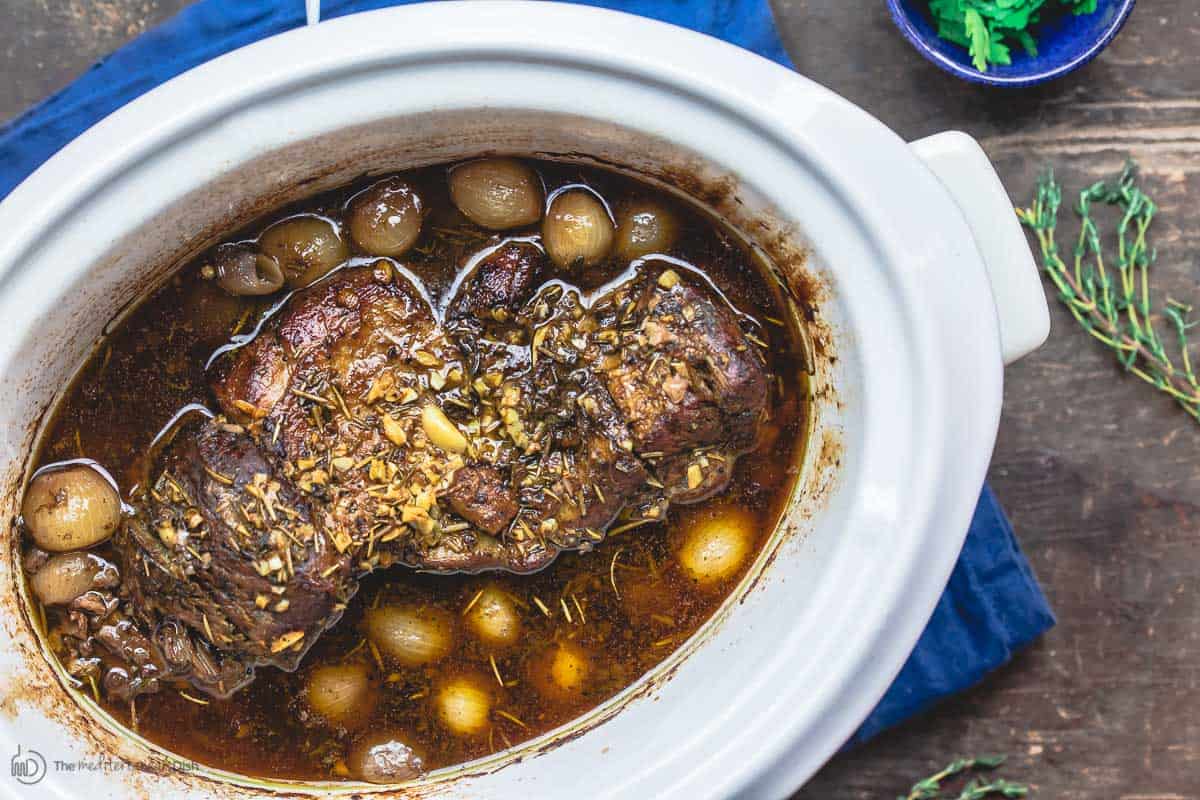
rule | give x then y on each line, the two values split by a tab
28	766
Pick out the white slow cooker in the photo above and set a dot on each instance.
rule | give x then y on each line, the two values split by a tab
922	281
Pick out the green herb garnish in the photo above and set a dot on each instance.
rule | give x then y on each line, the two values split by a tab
1111	297
931	787
988	29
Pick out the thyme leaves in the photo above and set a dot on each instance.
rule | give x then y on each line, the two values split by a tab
1110	295
931	788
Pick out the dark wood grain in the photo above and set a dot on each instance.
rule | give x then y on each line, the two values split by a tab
1099	475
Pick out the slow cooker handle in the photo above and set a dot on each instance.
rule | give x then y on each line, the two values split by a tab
964	169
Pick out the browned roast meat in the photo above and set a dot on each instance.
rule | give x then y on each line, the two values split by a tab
692	387
565	445
334	388
361	336
229	549
368	406
107	647
485	315
574	478
581	472
359	433
686	375
497	287
527	424
483	496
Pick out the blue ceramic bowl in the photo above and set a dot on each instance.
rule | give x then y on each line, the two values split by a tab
1065	42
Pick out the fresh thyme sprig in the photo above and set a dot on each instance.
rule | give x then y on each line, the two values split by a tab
931	788
1115	307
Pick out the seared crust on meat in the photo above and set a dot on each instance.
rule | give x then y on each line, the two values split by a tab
564	412
482	495
686	376
231	550
360	431
500	284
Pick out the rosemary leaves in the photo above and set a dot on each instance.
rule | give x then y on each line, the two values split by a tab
1110	294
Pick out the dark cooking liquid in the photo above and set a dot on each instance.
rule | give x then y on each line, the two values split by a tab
153	364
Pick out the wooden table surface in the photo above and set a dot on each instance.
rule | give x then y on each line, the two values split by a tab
1098	473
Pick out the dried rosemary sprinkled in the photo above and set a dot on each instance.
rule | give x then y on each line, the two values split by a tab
217	476
316	398
471	604
377	656
507	741
510	717
628	526
495	670
612	572
192	699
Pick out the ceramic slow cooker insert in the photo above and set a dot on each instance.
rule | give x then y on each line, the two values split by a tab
903	250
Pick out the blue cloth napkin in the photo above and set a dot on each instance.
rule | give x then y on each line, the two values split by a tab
992	605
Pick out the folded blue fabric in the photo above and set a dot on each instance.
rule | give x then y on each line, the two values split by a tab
992	605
